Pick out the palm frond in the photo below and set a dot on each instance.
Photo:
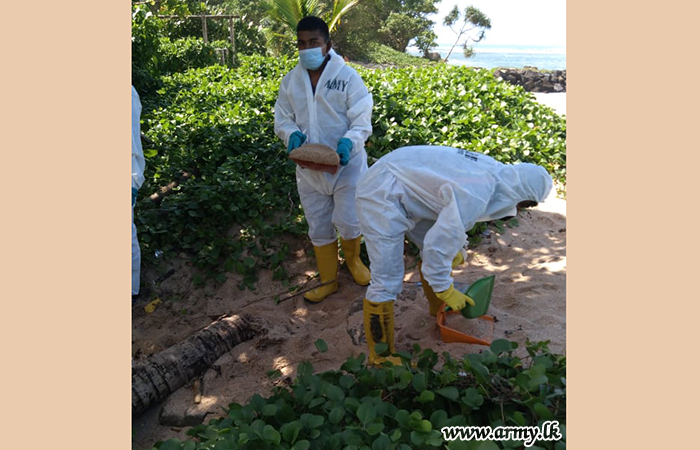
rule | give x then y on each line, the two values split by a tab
340	7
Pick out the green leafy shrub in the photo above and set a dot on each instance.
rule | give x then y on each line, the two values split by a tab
398	407
466	108
145	47
212	130
186	53
383	54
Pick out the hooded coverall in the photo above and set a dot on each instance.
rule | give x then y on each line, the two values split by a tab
433	195
340	107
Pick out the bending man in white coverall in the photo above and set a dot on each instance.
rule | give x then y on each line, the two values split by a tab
138	164
433	195
324	101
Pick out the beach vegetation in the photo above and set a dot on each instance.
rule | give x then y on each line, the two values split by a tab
231	194
398	407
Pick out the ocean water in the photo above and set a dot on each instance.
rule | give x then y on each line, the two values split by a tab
490	56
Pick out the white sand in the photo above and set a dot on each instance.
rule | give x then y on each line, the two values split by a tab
555	100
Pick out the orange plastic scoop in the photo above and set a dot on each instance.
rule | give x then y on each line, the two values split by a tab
480	292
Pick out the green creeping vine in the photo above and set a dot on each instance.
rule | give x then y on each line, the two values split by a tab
232	192
397	407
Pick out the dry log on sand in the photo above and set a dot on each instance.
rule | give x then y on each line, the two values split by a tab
165	372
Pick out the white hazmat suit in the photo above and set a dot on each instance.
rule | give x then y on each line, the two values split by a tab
434	195
138	165
341	107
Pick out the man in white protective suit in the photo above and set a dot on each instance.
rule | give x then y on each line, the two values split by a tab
138	165
433	195
324	101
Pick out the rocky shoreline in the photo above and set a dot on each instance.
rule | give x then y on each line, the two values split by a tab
534	80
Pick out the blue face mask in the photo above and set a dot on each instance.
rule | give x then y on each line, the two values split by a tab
311	58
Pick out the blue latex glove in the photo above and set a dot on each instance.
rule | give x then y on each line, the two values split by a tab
295	140
344	149
134	192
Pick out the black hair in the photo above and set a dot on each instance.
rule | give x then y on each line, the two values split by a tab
313	23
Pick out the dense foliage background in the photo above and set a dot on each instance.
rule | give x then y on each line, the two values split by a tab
212	134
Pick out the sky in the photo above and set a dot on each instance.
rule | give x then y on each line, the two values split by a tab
521	22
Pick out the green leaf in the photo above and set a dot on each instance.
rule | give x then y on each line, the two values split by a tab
352	365
542	411
366	413
449	392
290	431
346	381
321	345
171	444
402	418
519	419
381	348
269	410
500	346
301	445
419	382
271	435
426	396
315	421
472	398
374	428
336	415
334	393
381	443
538	376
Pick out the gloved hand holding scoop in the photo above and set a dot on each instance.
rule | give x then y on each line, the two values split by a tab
479	293
316	157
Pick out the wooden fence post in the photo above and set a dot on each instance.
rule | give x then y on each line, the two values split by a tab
204	29
233	41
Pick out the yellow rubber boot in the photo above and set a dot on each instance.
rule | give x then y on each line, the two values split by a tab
434	303
379	327
359	271
327	262
457	260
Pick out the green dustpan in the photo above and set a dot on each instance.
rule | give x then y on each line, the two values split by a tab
480	291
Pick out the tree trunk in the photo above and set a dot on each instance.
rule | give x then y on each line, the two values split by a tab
165	372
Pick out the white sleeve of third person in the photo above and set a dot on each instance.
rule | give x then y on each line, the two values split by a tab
447	236
138	163
359	103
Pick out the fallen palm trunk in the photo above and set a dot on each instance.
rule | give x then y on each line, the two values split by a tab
165	372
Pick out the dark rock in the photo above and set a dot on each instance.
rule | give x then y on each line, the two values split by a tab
433	56
534	80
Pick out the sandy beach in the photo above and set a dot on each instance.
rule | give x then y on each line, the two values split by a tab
555	100
529	302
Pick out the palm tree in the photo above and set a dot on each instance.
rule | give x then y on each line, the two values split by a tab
290	12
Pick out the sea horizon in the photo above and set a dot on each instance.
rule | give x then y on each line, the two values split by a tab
490	56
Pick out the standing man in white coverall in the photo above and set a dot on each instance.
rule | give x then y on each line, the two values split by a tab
433	195
138	164
324	101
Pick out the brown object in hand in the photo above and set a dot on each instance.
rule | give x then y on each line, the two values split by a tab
316	157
